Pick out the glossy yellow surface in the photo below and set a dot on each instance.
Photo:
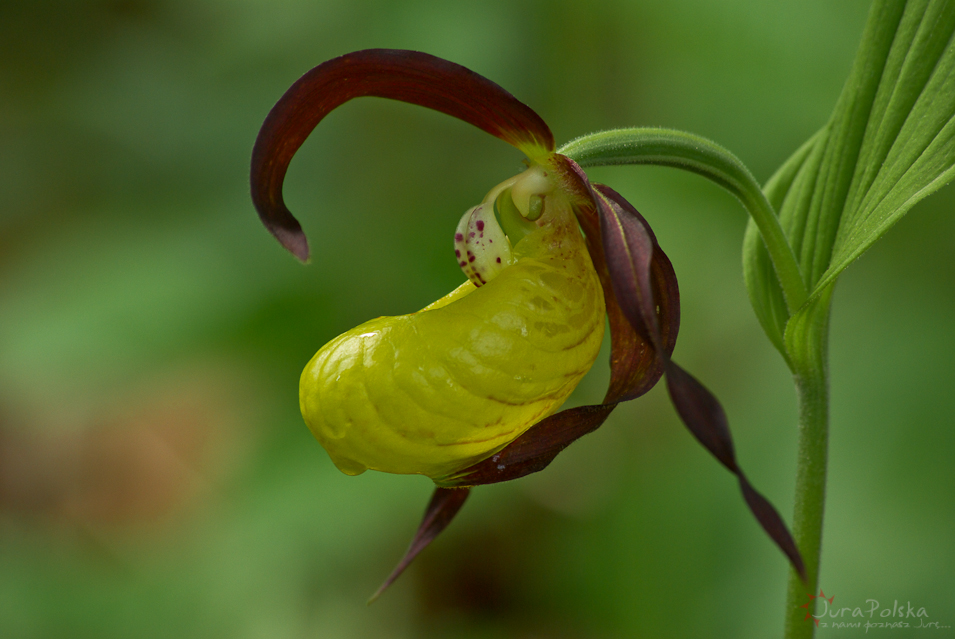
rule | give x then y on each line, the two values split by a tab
438	390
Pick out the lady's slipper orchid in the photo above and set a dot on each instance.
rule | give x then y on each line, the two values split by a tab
466	390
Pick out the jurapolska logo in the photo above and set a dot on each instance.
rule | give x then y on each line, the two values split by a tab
898	616
809	605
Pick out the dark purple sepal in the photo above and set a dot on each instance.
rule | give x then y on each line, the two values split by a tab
408	76
627	239
444	505
534	449
634	365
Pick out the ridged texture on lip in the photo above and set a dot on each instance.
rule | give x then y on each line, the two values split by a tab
436	391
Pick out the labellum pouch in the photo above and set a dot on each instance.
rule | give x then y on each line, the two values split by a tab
438	390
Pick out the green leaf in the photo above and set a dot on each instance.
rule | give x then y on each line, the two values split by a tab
889	143
765	292
908	151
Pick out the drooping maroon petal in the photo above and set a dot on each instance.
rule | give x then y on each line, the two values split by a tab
626	240
408	76
444	505
534	449
634	365
702	414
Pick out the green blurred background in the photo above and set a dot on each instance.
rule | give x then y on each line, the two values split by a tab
156	479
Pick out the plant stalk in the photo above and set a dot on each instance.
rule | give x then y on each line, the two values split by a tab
809	348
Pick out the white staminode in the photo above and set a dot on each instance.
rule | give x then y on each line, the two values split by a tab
480	245
529	190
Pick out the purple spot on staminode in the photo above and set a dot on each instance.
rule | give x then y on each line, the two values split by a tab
458	237
498	260
480	225
470	259
463	263
457	253
471	234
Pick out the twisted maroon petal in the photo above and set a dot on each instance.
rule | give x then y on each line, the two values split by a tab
629	244
408	76
444	505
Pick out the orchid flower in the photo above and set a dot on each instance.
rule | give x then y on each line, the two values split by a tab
467	390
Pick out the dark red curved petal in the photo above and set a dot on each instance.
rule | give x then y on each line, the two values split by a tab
408	76
444	505
629	243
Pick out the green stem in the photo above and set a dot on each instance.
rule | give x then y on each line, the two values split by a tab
810	500
807	340
681	150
